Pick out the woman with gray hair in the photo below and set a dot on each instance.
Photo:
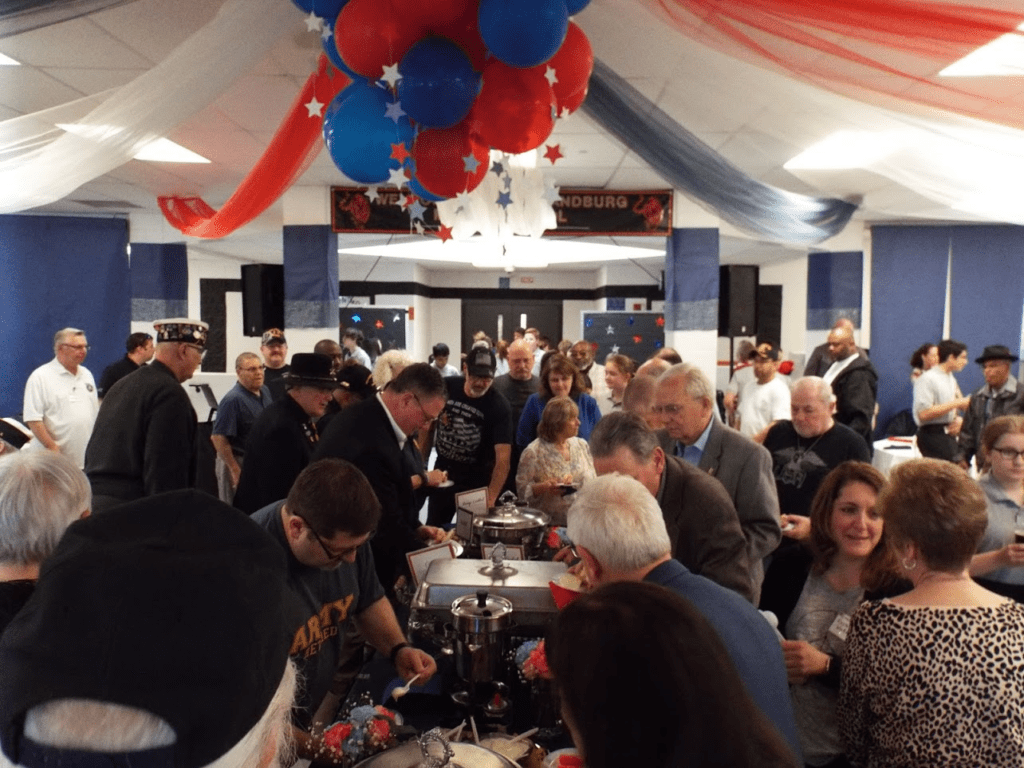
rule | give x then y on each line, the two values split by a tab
41	494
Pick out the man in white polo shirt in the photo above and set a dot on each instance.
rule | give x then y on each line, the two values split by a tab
60	399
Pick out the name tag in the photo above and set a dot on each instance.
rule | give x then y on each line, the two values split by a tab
840	626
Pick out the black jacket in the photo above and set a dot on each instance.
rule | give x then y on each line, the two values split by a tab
856	390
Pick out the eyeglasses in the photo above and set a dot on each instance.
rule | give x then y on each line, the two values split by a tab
341	554
77	347
200	350
427	418
254	369
1009	454
671	409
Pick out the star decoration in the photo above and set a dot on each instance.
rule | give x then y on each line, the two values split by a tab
504	199
445	233
565	112
394	111
550	76
391	75
660	322
356	319
397	177
464	199
399	152
498	168
314	23
658	345
372	194
615	349
326	32
637	339
631	320
314	107
409	200
552	195
508	183
470	163
416	210
379	324
590	322
553	153
418	226
396	318
610	329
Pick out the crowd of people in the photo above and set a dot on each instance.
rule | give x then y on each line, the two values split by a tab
754	596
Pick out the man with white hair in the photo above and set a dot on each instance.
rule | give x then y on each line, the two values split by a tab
60	398
41	494
619	532
807	447
685	401
159	635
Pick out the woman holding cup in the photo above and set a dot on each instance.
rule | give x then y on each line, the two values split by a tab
998	564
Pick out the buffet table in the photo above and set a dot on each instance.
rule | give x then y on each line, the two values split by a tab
892	451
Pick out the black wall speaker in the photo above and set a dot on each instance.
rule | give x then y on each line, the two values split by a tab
262	298
769	313
737	300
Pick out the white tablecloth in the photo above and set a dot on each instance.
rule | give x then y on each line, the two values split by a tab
893	451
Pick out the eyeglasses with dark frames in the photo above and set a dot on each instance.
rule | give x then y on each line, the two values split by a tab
341	554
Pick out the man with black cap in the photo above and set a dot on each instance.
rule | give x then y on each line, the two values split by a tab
324	527
144	440
472	436
158	635
283	437
764	400
274	349
1002	395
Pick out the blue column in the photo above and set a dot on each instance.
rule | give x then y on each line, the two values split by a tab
159	273
691	297
310	277
834	289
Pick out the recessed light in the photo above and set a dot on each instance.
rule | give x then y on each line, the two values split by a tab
156	151
7	61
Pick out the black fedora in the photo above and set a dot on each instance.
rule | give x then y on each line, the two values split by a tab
996	352
311	370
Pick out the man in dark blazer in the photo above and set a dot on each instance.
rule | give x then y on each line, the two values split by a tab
702	524
373	435
685	402
283	437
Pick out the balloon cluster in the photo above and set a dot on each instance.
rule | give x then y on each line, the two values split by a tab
438	84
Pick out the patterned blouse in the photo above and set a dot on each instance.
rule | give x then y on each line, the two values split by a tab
542	461
934	687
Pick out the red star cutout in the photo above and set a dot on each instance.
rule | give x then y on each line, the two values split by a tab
660	322
553	153
399	152
445	233
637	339
409	200
379	324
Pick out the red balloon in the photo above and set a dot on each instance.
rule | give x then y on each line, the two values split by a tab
514	111
373	34
573	64
465	32
434	15
439	154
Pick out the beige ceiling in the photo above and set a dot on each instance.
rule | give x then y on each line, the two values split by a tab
734	109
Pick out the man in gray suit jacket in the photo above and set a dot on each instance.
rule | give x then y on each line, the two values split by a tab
685	400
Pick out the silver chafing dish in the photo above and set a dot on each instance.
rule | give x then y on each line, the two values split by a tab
523	582
511	523
432	750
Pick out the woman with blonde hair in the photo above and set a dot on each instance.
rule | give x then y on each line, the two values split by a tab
933	677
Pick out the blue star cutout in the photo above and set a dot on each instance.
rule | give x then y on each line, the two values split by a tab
356	319
504	199
394	111
611	330
470	163
325	35
508	183
590	322
630	321
416	210
497	168
658	345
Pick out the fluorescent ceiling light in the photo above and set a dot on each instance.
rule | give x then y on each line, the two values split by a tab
522	252
1004	57
156	151
846	149
7	61
523	160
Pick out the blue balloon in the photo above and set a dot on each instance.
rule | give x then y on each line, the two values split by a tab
575	6
331	50
325	9
523	33
359	133
438	84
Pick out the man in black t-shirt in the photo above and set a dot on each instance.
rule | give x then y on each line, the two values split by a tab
473	436
805	449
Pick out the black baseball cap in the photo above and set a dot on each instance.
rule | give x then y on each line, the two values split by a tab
175	604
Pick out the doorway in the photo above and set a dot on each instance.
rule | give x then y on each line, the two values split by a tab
498	318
